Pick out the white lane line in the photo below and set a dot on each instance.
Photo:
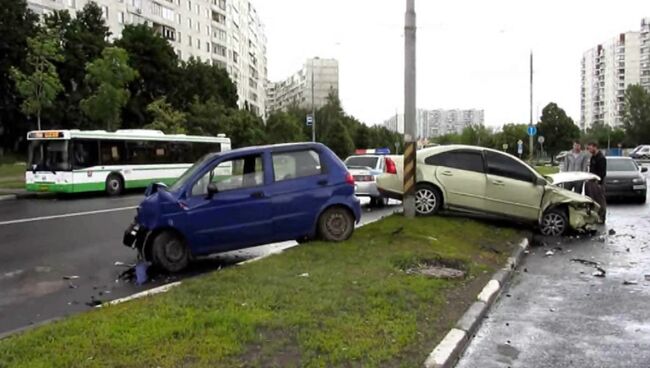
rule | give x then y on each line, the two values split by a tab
75	214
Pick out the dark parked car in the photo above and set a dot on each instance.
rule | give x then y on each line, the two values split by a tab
625	179
243	198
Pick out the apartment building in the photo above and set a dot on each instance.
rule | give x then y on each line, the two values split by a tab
645	53
228	33
437	122
297	89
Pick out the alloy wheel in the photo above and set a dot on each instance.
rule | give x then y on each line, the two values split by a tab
553	224
425	201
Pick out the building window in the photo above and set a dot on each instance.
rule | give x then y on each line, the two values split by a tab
189	23
219	49
189	5
207	31
197	8
235	57
179	38
198	26
207	46
178	19
189	40
104	12
120	17
198	44
71	3
168	14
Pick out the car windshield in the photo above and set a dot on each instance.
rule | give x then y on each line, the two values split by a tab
48	156
621	165
361	161
178	184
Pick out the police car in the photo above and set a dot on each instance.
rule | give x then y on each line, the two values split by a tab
365	166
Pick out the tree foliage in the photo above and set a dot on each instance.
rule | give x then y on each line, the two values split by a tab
166	118
110	75
203	82
636	118
40	85
557	128
282	127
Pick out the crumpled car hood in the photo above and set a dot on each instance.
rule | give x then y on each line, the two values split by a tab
583	211
568	177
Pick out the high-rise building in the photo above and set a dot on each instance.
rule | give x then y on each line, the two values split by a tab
227	33
645	53
433	123
606	72
297	89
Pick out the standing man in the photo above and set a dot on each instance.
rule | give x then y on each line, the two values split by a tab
576	160
594	188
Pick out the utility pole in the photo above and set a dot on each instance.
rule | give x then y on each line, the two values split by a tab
410	130
531	143
313	106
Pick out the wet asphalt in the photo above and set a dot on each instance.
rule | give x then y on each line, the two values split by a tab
557	313
55	267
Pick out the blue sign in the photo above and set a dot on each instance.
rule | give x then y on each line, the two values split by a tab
310	120
532	130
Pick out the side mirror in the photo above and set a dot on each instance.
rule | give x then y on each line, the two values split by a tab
644	169
212	189
540	181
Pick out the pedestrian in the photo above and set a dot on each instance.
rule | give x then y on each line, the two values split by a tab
576	161
596	188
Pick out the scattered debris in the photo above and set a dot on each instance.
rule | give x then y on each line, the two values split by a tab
306	274
599	272
93	302
72	286
647	277
627	249
612	232
398	230
585	262
72	277
630	282
526	251
549	253
525	270
141	276
551	309
122	264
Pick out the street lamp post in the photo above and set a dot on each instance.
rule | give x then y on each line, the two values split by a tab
409	110
313	106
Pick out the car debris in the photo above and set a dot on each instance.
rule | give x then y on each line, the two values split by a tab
612	232
72	277
549	253
630	282
585	262
647	277
141	275
122	264
600	272
306	274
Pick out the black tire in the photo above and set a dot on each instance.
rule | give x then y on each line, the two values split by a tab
336	224
640	199
427	200
114	185
378	202
170	252
554	223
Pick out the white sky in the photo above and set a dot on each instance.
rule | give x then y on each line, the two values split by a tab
470	53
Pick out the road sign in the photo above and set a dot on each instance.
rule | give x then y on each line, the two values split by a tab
520	142
541	139
532	130
309	120
505	146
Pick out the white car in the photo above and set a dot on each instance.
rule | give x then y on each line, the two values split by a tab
365	169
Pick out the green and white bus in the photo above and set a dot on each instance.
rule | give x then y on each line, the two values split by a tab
72	161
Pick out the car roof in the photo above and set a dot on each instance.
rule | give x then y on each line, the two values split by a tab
450	147
273	147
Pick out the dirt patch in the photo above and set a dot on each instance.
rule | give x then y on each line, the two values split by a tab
437	270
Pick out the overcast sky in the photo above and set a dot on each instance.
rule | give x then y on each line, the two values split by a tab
470	53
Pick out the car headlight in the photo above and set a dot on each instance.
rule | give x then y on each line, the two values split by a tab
638	180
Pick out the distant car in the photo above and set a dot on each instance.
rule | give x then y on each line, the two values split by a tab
243	198
490	182
625	179
561	156
365	169
641	152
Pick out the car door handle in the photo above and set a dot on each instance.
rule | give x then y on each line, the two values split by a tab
258	195
322	182
498	182
447	173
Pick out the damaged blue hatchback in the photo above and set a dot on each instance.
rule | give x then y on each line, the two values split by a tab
244	198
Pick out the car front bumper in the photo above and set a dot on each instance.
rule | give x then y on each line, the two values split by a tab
135	236
627	190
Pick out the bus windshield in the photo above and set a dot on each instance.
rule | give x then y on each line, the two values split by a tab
189	172
48	156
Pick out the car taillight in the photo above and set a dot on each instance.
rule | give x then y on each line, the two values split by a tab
349	179
391	168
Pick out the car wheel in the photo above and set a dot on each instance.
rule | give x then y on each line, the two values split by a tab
641	199
554	223
170	252
378	202
336	224
427	200
114	185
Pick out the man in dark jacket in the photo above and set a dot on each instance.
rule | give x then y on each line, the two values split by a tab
596	189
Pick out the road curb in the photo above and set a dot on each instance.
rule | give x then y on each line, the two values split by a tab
452	346
8	197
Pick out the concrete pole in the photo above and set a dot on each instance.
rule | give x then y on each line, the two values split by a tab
410	130
531	143
313	106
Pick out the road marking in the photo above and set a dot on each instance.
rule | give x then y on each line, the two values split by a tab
75	214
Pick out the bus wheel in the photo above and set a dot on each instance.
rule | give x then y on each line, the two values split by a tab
114	185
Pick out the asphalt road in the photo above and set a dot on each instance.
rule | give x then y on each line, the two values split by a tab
556	313
44	240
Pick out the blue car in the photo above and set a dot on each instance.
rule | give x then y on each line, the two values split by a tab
244	198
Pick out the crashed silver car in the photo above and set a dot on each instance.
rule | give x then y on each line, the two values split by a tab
489	182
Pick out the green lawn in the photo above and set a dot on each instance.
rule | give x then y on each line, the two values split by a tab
317	305
12	176
546	170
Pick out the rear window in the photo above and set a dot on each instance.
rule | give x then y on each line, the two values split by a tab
362	161
296	164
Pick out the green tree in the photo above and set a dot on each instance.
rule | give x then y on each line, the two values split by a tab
244	128
17	24
636	118
110	74
83	38
362	138
510	134
283	128
206	118
477	135
338	139
202	81
40	86
154	58
604	135
557	128
165	118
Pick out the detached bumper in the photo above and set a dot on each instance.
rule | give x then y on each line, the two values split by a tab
134	236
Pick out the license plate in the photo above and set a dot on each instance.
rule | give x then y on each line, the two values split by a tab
43	188
638	187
